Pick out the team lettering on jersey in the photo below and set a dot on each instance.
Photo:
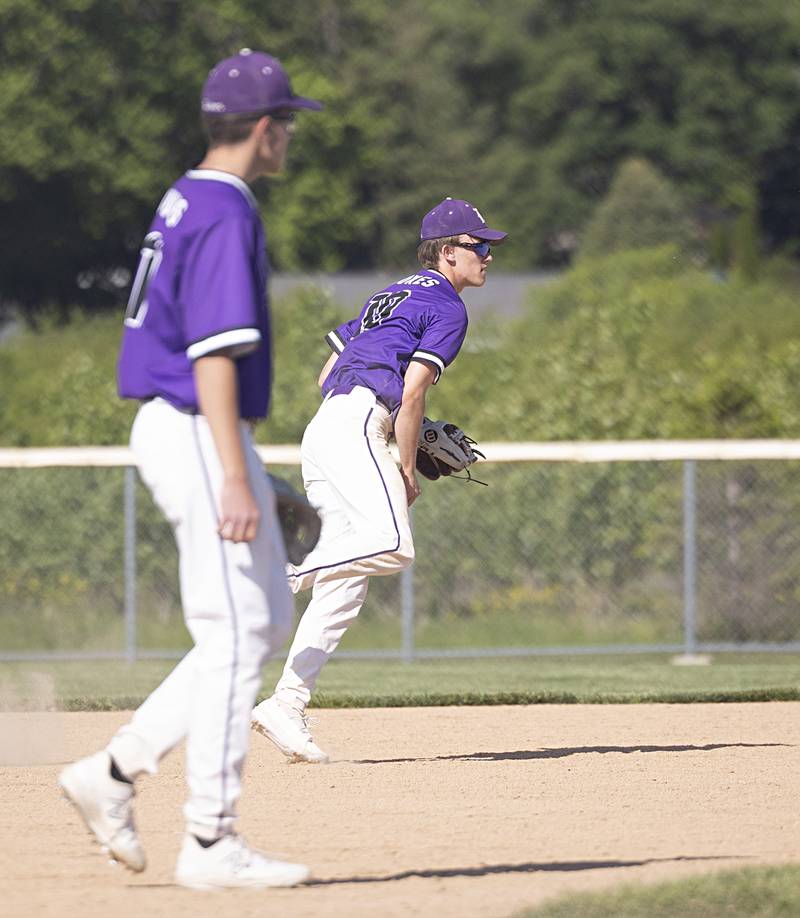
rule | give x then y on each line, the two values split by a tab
380	307
172	207
419	280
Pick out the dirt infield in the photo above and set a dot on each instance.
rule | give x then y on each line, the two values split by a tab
428	811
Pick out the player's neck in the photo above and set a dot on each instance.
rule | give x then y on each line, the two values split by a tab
455	279
234	159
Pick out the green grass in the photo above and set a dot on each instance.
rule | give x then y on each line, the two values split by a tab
105	685
37	625
754	892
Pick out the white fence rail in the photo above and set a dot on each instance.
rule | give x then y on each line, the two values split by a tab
563	451
593	547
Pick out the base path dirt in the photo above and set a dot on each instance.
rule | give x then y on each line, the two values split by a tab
427	811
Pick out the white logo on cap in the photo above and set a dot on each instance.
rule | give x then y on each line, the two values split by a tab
480	217
233	73
266	70
209	106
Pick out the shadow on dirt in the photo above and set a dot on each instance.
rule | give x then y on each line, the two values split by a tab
526	867
523	754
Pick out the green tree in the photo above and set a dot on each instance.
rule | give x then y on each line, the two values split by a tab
642	210
745	236
704	92
99	99
529	114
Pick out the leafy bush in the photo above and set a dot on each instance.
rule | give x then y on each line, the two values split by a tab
642	209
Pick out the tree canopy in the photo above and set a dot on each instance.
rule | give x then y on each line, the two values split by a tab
642	210
528	114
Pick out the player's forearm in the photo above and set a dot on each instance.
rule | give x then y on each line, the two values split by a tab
218	398
406	428
326	370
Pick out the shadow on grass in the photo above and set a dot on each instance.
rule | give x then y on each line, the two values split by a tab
526	867
559	753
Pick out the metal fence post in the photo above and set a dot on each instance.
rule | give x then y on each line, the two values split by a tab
689	556
130	563
407	606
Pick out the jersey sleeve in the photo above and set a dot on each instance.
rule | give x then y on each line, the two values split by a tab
219	291
339	337
441	339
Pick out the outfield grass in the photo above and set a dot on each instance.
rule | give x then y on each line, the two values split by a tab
104	685
754	892
36	625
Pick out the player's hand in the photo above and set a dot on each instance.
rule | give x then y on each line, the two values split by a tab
239	514
409	477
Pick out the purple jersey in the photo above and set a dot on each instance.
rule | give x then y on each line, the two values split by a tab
200	288
419	317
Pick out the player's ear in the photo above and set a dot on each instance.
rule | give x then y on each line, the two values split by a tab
262	126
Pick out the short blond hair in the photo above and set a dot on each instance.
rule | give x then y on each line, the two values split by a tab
429	250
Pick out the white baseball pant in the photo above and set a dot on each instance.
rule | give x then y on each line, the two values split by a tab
351	477
237	607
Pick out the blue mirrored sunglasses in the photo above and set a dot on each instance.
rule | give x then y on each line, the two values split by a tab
482	249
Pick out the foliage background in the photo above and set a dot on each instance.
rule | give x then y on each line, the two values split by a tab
635	344
649	147
529	113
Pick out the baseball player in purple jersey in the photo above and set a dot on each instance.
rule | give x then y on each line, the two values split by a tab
374	386
196	353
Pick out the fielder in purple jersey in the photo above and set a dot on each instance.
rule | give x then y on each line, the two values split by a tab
200	288
421	317
196	353
374	387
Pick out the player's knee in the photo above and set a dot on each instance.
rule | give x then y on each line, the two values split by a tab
266	633
280	623
404	556
279	633
269	640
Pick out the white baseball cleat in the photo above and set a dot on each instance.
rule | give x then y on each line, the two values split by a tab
230	863
287	728
106	806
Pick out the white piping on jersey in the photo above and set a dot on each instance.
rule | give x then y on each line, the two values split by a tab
449	284
238	339
335	342
431	358
216	175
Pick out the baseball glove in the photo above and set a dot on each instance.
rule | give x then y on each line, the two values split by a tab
300	522
443	449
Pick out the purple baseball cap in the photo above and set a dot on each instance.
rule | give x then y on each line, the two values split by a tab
452	217
250	81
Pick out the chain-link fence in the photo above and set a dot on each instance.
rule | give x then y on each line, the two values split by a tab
602	556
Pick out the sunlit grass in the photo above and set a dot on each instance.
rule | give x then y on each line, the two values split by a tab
363	683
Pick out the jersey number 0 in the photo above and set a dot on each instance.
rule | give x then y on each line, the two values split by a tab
149	260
